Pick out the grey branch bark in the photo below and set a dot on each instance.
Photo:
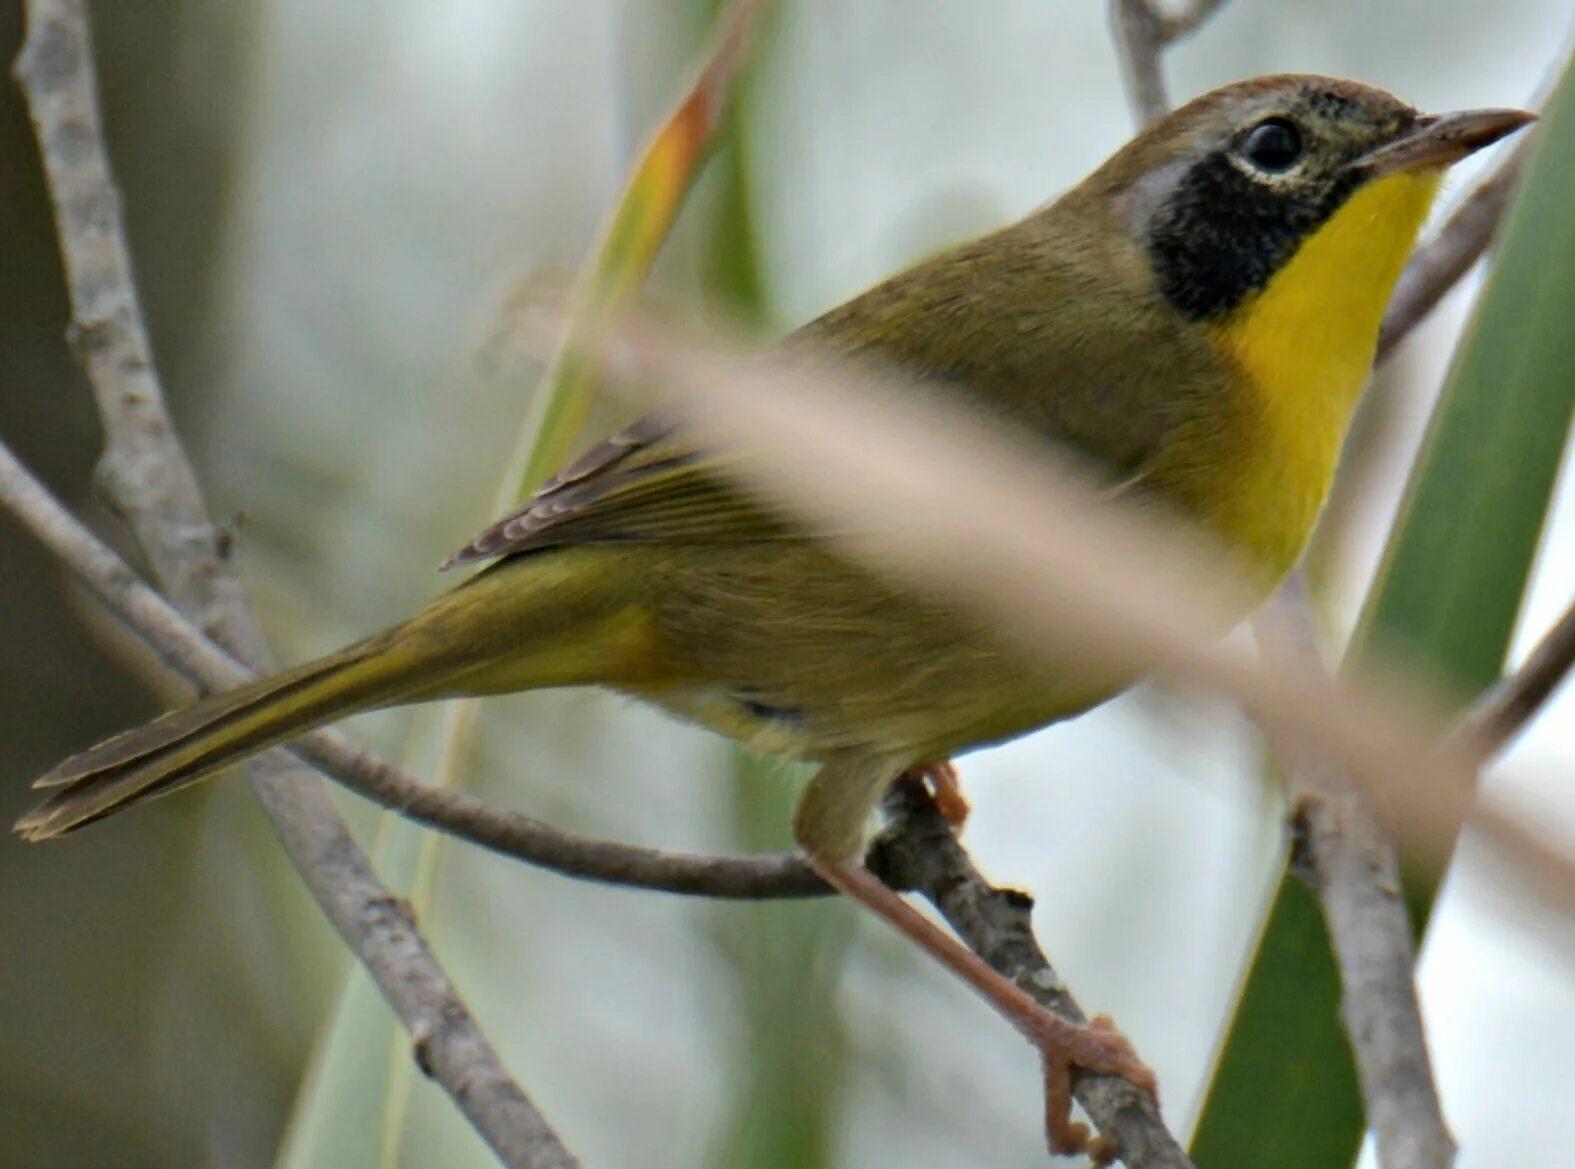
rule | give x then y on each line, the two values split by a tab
1348	858
1142	35
921	852
1351	862
149	481
1343	851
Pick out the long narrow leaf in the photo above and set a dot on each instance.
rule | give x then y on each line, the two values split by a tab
354	1106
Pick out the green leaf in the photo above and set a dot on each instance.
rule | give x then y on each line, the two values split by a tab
356	1106
1455	572
785	1112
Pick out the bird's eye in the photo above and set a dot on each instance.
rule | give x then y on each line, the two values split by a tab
1273	145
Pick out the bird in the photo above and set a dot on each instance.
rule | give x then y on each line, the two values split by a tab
1193	323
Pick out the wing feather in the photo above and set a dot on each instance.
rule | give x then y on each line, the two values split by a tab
1086	381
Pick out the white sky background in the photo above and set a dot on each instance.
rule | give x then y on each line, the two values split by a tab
413	157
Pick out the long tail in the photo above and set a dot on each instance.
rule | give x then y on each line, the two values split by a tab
516	627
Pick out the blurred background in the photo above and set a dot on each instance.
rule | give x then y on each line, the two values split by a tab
328	204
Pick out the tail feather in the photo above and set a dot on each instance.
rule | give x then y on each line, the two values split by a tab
188	745
562	620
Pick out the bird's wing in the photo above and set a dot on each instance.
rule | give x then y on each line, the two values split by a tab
642	485
944	322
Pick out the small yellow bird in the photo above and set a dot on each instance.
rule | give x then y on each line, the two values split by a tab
1195	321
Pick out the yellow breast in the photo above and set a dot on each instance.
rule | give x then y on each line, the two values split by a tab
1305	346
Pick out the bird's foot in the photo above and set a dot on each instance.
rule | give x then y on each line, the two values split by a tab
1064	1047
1096	1046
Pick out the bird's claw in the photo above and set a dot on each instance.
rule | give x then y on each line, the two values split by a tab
945	789
1097	1047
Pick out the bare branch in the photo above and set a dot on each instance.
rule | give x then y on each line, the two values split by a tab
1351	862
921	852
1442	262
1500	714
115	350
1142	34
148	479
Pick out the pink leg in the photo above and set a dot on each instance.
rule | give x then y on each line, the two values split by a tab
1063	1045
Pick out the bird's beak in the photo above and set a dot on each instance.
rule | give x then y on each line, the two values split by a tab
1438	140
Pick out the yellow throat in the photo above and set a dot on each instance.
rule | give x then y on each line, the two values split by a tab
1305	346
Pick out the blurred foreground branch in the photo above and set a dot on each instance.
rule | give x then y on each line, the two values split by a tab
148	475
1070	572
148	480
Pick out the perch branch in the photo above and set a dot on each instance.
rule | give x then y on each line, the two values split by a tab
761	876
148	480
920	851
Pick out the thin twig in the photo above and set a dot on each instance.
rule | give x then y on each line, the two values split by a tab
1500	714
920	851
1351	862
1443	261
148	479
1142	34
170	517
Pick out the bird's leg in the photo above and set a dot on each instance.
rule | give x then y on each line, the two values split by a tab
945	788
829	823
1063	1045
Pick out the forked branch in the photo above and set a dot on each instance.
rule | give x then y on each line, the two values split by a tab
149	482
